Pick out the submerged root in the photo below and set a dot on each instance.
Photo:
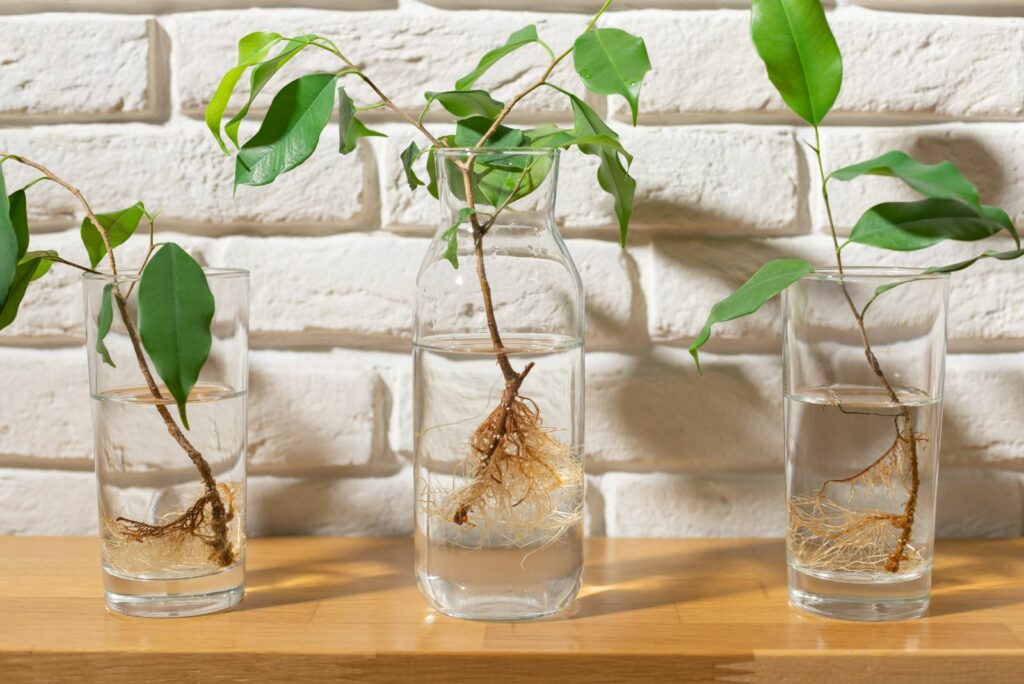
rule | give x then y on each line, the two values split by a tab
206	520
512	474
827	536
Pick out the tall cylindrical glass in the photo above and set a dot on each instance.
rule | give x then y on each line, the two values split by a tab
166	549
498	359
865	355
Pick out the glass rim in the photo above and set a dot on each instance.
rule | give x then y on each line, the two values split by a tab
493	151
874	273
211	273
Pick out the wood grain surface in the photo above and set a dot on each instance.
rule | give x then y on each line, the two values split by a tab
652	610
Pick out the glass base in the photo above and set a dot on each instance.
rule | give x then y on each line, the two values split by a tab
169	598
469	603
881	599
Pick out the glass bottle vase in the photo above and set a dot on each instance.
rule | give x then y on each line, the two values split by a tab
498	397
172	535
864	365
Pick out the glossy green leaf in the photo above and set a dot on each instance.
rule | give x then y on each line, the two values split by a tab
612	175
451	238
908	226
1002	218
10	246
552	136
19	219
251	49
120	225
46	258
176	308
771	279
409	156
351	129
261	75
103	323
990	254
611	61
524	36
796	44
467	103
23	275
468	133
938	181
290	131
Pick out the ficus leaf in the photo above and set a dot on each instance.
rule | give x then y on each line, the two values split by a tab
10	247
451	237
176	308
120	225
290	131
23	275
990	254
1002	218
524	36
552	136
351	129
803	60
908	226
261	75
771	279
45	258
19	219
251	49
466	103
611	61
468	133
409	155
103	323
938	181
612	175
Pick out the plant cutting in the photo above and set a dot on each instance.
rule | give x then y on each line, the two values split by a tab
864	353
499	467
143	365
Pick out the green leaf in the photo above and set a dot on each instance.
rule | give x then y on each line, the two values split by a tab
23	275
409	155
465	103
290	131
1002	218
908	226
803	60
451	237
19	219
261	75
251	49
612	175
46	259
990	254
469	131
103	323
10	243
611	61
771	279
120	225
175	311
938	181
448	140
552	136
524	36
351	129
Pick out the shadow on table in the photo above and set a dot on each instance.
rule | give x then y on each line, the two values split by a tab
694	573
983	576
346	569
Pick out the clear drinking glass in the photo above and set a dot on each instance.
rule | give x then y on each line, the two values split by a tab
499	460
864	364
164	552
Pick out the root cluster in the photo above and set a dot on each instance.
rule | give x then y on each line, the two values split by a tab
510	477
828	536
205	521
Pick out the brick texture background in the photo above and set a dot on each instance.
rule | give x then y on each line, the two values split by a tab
111	93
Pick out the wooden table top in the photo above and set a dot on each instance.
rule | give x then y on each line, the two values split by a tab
347	609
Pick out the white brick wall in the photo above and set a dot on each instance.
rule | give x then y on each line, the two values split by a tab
111	94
